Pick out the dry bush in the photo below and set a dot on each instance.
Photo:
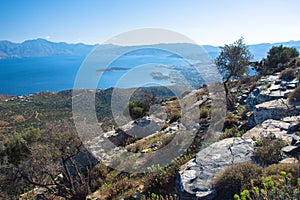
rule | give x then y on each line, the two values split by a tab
235	179
298	62
288	74
253	85
231	120
268	150
294	97
18	118
3	123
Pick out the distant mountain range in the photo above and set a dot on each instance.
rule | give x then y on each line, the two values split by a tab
258	50
43	48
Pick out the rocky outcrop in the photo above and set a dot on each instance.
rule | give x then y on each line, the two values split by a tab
278	128
270	88
275	109
270	113
195	178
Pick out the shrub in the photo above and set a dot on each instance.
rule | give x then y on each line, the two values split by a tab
268	150
236	178
231	120
291	171
137	109
294	97
174	117
204	112
297	63
280	55
270	189
288	74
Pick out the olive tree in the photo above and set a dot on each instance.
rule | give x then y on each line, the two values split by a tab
233	62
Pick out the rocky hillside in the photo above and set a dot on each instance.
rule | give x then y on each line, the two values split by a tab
269	113
264	114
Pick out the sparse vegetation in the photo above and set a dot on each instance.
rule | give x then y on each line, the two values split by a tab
204	112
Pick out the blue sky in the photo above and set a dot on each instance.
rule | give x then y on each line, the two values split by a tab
215	22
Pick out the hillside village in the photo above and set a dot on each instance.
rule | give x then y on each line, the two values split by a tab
254	156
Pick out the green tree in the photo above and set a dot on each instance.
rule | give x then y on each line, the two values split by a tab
277	55
15	147
233	62
137	109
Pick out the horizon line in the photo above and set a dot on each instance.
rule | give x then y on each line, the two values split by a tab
95	44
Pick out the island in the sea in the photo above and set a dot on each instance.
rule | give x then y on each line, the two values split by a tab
159	76
99	71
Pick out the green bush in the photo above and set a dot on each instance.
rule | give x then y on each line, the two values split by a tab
280	55
270	189
277	59
288	74
236	178
268	150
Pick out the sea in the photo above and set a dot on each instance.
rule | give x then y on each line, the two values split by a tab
24	76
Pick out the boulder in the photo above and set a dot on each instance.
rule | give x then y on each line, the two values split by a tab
195	178
143	127
292	151
289	161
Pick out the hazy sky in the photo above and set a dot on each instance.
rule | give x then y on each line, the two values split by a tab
215	22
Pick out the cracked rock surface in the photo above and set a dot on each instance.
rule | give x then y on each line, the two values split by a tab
195	178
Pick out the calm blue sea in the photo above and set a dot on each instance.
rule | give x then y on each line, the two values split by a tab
23	76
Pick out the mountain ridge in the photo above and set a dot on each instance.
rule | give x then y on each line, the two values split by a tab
42	48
